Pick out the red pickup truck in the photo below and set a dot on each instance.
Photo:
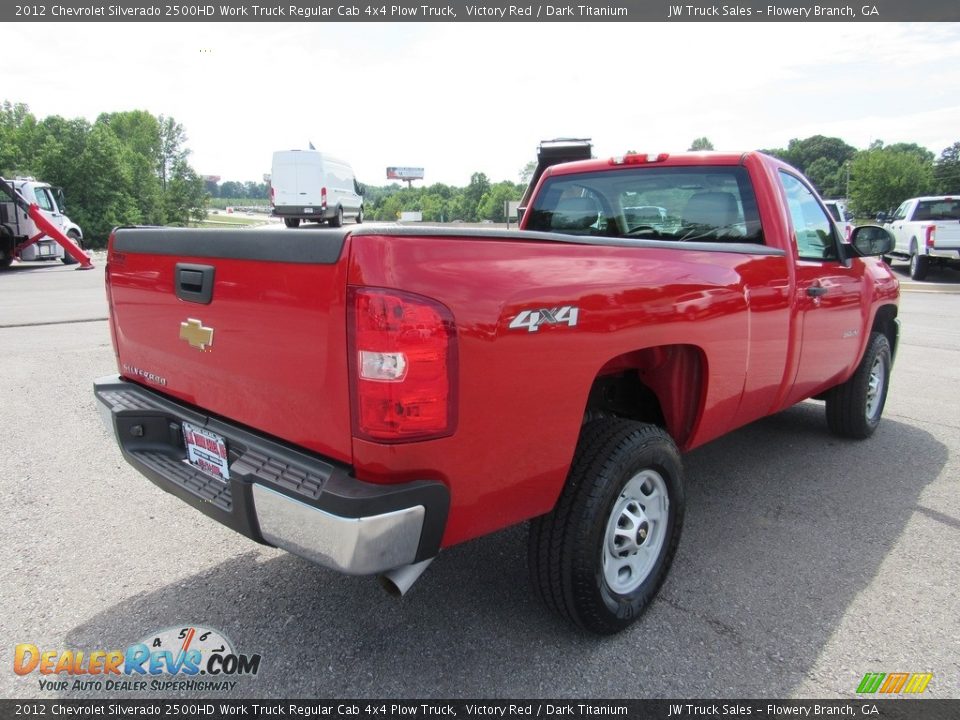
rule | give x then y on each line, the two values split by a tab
365	397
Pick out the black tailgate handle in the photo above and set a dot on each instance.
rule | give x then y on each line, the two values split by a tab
194	283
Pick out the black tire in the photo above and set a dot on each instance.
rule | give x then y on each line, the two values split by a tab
291	222
6	247
582	563
360	215
919	265
337	219
855	407
67	258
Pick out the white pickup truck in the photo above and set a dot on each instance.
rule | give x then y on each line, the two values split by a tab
926	231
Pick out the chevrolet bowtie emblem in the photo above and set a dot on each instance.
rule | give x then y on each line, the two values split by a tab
196	334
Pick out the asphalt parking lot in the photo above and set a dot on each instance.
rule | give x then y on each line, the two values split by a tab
806	561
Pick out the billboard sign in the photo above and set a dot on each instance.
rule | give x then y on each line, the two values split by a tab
404	173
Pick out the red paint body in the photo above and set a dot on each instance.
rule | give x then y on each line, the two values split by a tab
721	338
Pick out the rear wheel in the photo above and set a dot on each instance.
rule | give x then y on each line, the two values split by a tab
6	247
360	215
601	555
337	220
291	222
919	264
854	408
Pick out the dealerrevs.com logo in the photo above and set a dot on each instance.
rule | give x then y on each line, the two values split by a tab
175	659
894	683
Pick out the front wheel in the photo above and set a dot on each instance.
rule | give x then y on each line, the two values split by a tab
601	555
67	258
854	408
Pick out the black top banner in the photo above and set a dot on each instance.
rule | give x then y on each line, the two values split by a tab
431	11
865	709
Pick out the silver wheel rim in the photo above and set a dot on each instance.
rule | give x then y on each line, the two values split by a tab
636	531
875	387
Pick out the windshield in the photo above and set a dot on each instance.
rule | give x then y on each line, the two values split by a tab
661	203
946	209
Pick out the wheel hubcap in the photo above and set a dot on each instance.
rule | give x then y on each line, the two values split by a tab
875	387
636	531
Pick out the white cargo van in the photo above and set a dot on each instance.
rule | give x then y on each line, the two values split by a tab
311	185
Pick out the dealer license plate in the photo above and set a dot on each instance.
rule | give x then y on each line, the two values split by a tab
308	210
46	250
206	451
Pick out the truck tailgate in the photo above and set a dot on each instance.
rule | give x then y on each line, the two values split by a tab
245	324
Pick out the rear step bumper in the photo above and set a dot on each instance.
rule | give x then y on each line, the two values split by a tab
277	495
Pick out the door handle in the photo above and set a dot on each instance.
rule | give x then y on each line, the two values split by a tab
194	283
816	291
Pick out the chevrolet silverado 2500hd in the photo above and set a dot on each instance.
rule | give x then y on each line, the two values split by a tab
366	397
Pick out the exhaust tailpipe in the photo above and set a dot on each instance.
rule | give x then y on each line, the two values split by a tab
397	581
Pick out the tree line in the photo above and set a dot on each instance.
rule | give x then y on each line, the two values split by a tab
125	168
877	179
132	168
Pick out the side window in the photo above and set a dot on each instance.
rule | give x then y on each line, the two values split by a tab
814	231
901	212
44	201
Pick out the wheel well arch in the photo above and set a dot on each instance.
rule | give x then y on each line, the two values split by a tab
664	385
886	322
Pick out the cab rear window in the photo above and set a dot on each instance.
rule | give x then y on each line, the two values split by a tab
947	209
661	203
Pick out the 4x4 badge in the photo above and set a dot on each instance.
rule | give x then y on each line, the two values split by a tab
196	334
532	320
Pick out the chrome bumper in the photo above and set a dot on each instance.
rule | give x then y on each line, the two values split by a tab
277	494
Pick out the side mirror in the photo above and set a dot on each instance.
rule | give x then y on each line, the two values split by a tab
871	240
882	217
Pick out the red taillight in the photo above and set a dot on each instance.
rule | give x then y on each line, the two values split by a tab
403	366
931	236
323	198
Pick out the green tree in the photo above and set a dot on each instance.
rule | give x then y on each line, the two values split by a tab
139	133
17	125
828	177
946	171
882	178
104	199
701	143
527	171
491	205
173	150
801	153
472	195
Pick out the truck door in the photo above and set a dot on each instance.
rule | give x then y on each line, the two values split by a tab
829	294
901	241
49	206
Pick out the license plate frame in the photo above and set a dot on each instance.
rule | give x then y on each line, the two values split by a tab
206	451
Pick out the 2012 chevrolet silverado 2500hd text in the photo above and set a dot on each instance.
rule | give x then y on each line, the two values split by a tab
366	397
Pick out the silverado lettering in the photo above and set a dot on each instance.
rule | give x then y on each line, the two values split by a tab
384	392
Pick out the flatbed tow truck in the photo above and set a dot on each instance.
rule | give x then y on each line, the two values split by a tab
24	224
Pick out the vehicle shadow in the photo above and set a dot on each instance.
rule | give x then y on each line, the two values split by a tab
935	275
785	526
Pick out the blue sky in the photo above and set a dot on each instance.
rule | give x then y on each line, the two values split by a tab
465	97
